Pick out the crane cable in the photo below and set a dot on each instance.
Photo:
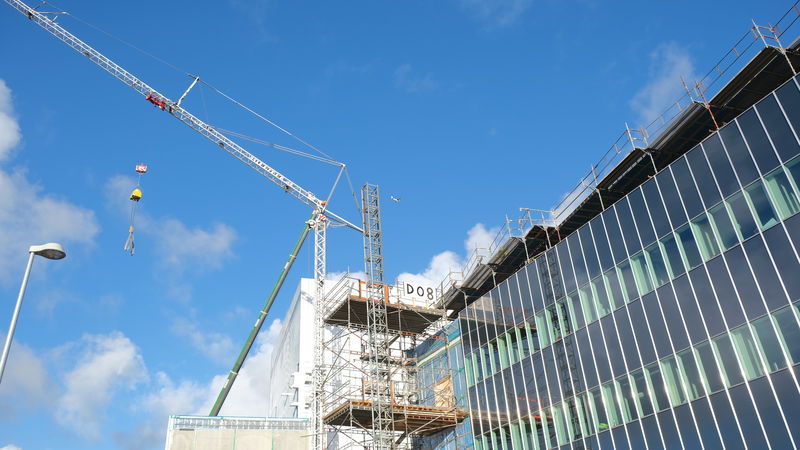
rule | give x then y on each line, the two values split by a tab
329	160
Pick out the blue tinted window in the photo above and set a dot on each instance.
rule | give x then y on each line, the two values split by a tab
691	312
614	235
686	187
703	176
785	260
566	267
757	141
628	227
770	414
601	243
671	198
777	128
589	253
642	218
718	160
765	273
656	207
726	295
738	152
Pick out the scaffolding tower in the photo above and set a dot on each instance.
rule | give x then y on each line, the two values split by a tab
375	390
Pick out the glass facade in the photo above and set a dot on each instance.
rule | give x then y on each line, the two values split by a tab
670	320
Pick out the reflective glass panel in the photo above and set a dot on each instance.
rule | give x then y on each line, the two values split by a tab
704	236
729	367
587	302
723	226
720	165
757	141
686	187
666	184
761	205
743	220
789	332
703	176
657	264
601	295
782	193
673	256
656	207
628	281
657	387
747	352
777	128
711	375
688	246
641	393
642	273
692	380
673	380
737	151
768	344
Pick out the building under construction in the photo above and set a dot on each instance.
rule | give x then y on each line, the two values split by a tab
655	307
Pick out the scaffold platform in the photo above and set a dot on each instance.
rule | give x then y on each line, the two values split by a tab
407	418
401	317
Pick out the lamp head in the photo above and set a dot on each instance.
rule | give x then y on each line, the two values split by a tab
50	250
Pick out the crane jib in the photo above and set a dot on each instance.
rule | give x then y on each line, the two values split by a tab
164	103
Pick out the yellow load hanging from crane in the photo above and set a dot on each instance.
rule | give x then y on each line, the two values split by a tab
136	195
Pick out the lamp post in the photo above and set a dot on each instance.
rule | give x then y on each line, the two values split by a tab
49	251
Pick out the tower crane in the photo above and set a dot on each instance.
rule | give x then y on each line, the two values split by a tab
318	220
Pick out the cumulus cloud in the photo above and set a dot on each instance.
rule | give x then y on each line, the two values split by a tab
106	364
26	383
179	246
668	63
216	346
9	128
27	214
478	237
406	79
496	13
248	397
10	447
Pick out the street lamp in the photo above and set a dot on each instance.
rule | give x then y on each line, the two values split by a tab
49	251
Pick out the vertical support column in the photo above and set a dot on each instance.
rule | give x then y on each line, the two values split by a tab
378	339
320	235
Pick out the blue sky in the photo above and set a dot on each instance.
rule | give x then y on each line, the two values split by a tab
464	109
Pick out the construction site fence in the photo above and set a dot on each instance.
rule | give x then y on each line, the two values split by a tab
235	423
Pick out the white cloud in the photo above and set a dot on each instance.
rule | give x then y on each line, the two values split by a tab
216	346
496	13
9	128
26	383
248	397
443	263
407	80
668	63
479	237
107	364
27	215
180	247
10	447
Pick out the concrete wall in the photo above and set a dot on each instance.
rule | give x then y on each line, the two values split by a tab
290	378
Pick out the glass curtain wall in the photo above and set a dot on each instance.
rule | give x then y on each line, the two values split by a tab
669	320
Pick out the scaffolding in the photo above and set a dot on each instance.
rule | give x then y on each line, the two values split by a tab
414	398
751	68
